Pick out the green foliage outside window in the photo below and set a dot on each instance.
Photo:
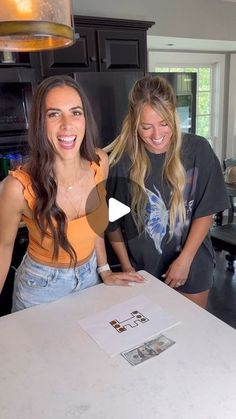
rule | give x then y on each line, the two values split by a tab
204	96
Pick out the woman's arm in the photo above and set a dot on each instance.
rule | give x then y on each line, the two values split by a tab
117	242
11	206
109	277
116	237
178	271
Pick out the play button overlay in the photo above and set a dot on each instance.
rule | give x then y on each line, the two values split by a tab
116	209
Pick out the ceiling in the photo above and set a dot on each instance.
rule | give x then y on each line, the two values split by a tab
189	44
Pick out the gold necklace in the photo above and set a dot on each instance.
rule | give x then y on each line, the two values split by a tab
71	185
66	198
67	188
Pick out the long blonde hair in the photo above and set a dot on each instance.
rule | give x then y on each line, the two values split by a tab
158	93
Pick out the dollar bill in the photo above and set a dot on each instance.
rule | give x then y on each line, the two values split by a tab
147	350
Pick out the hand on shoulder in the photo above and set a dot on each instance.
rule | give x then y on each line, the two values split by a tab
102	154
103	160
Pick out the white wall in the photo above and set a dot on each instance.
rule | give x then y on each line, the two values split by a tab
231	132
207	19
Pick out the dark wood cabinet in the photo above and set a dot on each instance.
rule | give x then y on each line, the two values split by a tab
120	50
21	60
18	59
8	58
102	44
81	56
19	250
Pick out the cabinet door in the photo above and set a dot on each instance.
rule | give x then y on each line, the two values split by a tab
121	50
82	56
15	59
6	294
20	247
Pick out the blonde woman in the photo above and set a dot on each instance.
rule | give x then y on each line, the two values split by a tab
173	184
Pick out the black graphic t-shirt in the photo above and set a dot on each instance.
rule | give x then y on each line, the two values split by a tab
204	194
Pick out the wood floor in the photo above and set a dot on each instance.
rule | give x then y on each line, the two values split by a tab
222	297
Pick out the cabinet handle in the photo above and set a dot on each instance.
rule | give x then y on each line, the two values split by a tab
93	59
104	60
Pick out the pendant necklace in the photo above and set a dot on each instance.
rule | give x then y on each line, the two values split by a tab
66	197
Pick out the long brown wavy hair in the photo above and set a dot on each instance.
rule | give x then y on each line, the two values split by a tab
158	93
49	217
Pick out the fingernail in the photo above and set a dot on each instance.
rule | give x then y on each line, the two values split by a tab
163	276
131	284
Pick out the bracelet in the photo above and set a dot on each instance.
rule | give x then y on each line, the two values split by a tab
103	268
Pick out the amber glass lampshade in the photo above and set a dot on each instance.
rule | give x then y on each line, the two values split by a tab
33	25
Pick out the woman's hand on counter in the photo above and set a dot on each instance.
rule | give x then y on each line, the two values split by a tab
121	278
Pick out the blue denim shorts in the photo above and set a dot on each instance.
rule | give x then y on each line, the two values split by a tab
36	283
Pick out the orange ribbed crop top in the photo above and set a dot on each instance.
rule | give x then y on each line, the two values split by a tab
80	232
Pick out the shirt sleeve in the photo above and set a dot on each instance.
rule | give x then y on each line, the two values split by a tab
211	195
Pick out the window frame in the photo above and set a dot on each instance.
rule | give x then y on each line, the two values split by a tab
196	69
191	59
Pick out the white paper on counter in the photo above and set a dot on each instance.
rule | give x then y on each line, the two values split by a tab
155	320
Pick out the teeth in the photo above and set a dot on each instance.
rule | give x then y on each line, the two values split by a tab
159	141
67	139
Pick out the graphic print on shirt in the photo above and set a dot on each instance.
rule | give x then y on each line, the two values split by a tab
189	190
156	218
156	215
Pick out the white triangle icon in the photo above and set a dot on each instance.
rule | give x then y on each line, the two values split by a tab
116	209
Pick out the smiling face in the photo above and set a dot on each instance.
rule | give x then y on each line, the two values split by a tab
65	121
154	131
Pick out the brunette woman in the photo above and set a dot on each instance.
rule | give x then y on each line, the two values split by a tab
59	194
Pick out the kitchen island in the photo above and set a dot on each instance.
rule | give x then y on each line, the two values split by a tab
50	368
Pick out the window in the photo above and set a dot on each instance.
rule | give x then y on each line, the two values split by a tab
215	62
204	97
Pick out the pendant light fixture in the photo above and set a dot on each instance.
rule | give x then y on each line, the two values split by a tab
34	25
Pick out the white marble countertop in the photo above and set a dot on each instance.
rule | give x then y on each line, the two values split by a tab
51	369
